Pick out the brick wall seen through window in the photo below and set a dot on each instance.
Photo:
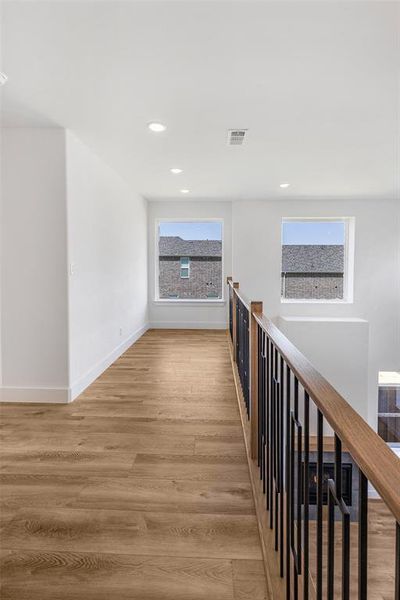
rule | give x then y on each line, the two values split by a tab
190	260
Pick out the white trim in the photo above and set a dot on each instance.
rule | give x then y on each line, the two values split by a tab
188	325
34	395
189	302
314	301
324	319
157	222
81	384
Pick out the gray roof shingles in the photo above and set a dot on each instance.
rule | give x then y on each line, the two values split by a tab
176	246
312	259
295	258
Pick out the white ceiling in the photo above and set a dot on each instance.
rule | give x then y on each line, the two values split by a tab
315	83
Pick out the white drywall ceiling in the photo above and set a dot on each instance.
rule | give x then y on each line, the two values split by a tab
315	84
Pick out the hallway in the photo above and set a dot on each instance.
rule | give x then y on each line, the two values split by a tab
139	489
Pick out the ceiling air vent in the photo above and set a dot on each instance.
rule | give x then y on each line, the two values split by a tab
236	137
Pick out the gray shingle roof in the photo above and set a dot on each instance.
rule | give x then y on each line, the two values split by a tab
312	259
176	246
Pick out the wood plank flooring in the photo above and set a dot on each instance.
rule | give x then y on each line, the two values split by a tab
139	489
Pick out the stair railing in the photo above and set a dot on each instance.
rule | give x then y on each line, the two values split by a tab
313	460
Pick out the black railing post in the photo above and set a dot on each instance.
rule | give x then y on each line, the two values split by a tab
255	309
397	561
230	299
287	479
320	480
235	286
362	536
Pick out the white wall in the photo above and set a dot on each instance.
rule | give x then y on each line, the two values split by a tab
34	265
345	364
74	265
107	242
257	264
183	314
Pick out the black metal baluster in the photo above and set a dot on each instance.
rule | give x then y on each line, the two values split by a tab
260	335
238	340
287	478
281	443
362	536
306	493
247	364
338	467
263	414
231	312
299	473
345	551
320	480
295	539
237	335
335	499
292	487
271	421
276	461
244	386
261	404
331	543
275	423
243	351
397	568
267	426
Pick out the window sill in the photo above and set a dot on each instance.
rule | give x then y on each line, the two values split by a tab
313	301
181	301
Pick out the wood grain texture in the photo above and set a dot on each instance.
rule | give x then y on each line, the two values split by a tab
35	575
167	495
122	532
194	468
139	489
274	583
249	580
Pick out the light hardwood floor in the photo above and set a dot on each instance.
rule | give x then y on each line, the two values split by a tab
139	489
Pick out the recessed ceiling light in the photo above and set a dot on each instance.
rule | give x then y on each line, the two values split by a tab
284	185
185	191
175	170
3	78
156	127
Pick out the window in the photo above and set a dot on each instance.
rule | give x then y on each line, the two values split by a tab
389	406
185	268
316	263
189	260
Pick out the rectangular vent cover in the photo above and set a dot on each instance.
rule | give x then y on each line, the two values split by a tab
236	137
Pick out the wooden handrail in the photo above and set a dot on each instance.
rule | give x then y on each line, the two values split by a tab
235	286
378	463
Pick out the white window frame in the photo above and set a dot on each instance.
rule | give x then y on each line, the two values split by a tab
348	275
157	299
187	266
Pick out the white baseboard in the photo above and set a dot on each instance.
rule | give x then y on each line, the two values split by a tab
83	382
37	395
188	325
65	395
